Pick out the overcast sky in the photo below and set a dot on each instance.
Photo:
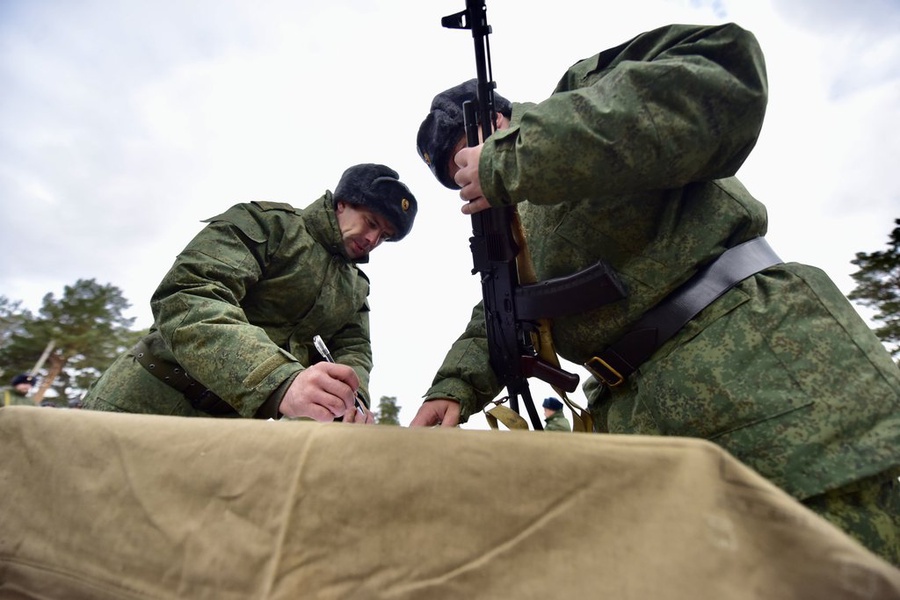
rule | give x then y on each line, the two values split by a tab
125	123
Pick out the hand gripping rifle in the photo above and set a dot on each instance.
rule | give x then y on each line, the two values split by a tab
513	312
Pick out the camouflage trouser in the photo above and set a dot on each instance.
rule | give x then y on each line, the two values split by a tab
868	510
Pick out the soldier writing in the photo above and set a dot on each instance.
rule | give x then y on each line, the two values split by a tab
236	315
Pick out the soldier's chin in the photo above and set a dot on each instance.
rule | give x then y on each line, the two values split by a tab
355	250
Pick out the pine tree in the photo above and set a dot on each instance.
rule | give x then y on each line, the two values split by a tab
388	412
85	330
12	320
878	287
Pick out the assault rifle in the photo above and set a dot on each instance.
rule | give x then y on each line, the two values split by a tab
511	310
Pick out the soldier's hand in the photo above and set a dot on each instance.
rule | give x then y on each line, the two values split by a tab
353	416
440	411
323	391
467	178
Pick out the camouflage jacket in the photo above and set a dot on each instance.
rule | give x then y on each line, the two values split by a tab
239	309
557	422
12	397
632	160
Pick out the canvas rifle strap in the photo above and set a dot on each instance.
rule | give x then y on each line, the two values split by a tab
543	339
504	414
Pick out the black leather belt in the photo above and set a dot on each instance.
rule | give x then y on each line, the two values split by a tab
616	363
173	375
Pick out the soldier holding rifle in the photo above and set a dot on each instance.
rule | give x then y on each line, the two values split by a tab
632	161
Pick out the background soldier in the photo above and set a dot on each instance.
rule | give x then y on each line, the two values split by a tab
554	419
17	391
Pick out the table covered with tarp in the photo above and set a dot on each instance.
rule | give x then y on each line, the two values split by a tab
104	505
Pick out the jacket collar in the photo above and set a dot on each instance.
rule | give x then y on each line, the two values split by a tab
321	222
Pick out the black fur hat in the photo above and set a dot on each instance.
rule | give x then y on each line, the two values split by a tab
552	403
443	127
379	188
23	378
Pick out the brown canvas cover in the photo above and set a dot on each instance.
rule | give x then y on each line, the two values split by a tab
101	505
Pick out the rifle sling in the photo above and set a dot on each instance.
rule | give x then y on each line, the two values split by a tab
174	375
498	413
614	364
582	421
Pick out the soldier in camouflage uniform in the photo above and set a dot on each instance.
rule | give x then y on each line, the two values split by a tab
235	316
632	160
17	392
554	419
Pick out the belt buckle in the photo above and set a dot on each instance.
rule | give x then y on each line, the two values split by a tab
594	365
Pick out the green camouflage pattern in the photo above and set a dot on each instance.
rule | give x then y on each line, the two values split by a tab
239	309
557	422
869	510
12	397
780	371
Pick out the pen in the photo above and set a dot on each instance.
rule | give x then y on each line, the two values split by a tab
326	354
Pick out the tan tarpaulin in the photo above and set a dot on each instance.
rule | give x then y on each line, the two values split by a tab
99	505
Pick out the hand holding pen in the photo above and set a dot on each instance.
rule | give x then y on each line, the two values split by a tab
326	354
325	391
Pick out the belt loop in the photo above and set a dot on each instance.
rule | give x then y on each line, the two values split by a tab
595	364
